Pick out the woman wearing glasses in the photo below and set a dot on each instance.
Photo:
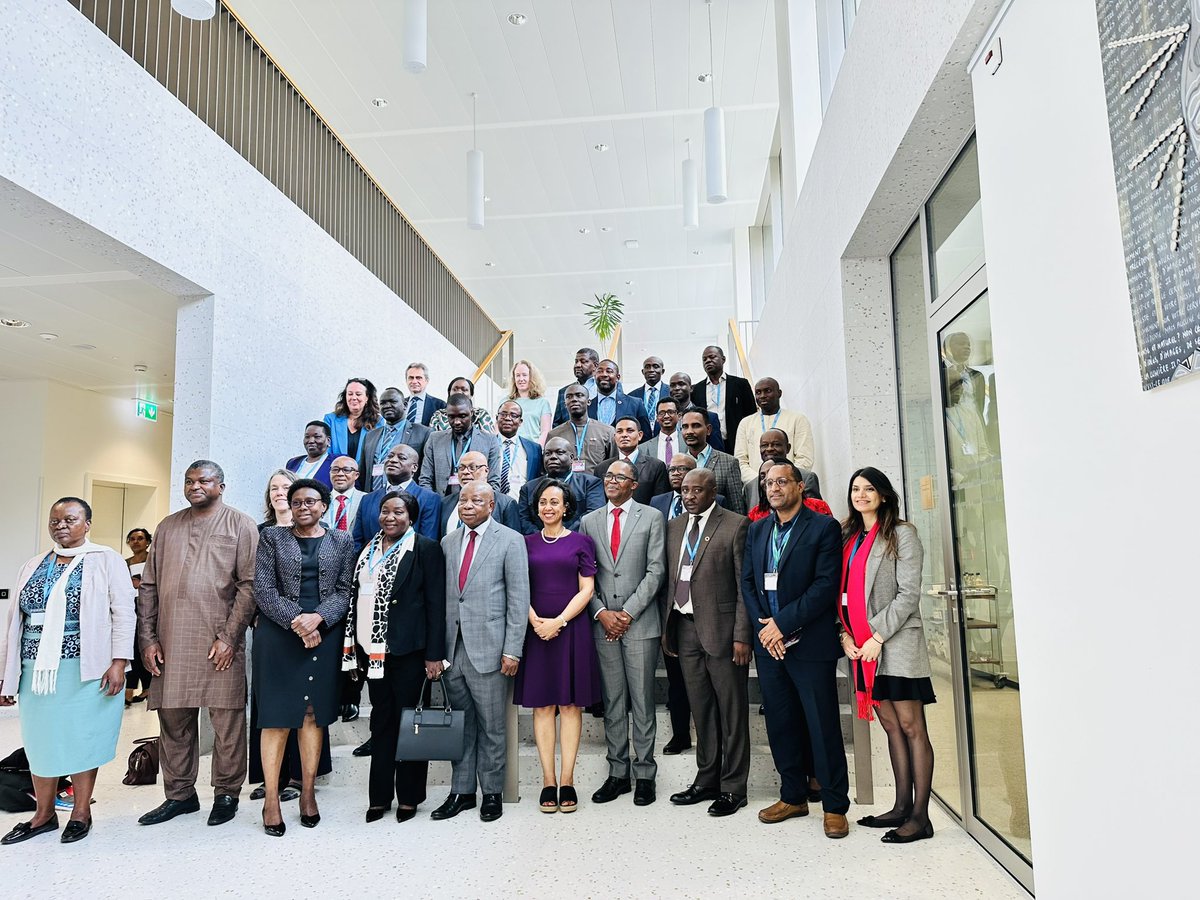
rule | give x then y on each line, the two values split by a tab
560	673
302	578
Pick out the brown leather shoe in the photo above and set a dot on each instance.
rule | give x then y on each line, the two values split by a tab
836	825
779	812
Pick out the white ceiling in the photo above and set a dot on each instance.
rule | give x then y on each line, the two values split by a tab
578	73
57	285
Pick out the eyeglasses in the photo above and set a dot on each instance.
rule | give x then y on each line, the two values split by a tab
678	469
464	467
778	482
615	478
508	414
343	470
69	521
304	503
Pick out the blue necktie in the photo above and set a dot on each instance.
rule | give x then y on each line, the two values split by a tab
651	403
411	413
677	506
505	464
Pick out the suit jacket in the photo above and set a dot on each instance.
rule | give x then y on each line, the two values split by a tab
589	495
626	406
322	473
560	405
662	502
417	603
437	466
597	441
491	612
340	437
739	401
366	523
893	588
639	394
808	586
432	405
277	571
414	435
507	512
729	479
651	476
716	576
632	581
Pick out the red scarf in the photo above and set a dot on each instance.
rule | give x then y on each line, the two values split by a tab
854	582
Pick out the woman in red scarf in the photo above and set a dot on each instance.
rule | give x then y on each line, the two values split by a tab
885	642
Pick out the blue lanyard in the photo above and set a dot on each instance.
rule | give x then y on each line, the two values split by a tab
466	449
763	420
779	542
579	438
50	580
717	399
312	469
372	565
691	550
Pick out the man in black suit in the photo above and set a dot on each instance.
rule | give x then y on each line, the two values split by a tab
586	361
421	406
790	583
681	393
651	392
728	396
393	430
651	473
610	402
559	462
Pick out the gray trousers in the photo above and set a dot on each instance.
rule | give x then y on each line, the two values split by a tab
717	690
627	678
482	698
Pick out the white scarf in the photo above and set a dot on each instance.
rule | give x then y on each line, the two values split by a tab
45	667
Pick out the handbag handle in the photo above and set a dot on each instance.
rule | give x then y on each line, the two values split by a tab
419	710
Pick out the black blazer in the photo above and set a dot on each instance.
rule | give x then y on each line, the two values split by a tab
739	402
809	583
414	436
432	405
626	406
417	616
651	475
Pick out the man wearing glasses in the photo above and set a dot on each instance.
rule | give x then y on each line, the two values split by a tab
345	498
474	467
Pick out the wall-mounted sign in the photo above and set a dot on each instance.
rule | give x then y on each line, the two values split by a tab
147	410
1151	56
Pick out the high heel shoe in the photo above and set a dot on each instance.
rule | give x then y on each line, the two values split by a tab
892	837
274	830
310	821
882	822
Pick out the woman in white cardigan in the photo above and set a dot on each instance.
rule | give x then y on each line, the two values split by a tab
68	639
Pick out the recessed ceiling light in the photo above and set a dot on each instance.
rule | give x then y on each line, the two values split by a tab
517	19
83	346
141	368
48	336
631	245
545	306
585	230
704	77
487	199
600	148
629	282
605	229
490	264
379	102
14	323
697	252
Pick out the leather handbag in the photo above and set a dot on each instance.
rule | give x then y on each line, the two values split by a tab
431	732
143	762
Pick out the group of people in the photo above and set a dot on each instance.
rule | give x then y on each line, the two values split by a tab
564	545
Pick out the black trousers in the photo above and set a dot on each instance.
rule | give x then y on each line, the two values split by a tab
804	728
403	678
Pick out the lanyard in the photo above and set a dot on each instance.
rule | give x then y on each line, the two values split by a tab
779	542
763	419
454	459
691	550
717	393
579	438
50	580
372	565
313	467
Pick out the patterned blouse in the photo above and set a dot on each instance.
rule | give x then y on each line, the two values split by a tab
33	603
480	418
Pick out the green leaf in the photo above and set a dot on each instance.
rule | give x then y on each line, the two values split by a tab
604	315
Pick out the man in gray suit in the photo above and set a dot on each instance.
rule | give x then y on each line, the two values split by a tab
487	609
630	567
444	449
696	431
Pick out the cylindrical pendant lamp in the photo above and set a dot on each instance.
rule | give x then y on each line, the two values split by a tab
714	154
416	35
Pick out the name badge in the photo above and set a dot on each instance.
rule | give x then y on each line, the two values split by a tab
771	581
578	466
845	601
376	470
685	573
452	481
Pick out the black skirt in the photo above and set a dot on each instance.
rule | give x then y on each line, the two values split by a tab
288	679
897	687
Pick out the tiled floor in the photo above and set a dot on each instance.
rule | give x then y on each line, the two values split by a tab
616	850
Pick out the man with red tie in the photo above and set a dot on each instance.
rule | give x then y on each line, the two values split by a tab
345	497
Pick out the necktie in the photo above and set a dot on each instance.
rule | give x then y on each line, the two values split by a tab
505	464
411	412
339	521
651	403
670	452
615	540
386	441
683	589
676	506
465	569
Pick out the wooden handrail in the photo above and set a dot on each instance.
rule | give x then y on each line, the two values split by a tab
741	351
505	337
612	347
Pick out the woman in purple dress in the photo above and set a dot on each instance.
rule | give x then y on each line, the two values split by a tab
559	670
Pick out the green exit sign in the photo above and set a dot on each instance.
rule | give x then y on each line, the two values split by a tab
147	410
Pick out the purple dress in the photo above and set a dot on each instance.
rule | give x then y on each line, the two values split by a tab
563	671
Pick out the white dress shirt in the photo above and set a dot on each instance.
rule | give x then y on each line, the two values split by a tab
624	507
478	529
353	500
715	394
517	468
676	445
683	554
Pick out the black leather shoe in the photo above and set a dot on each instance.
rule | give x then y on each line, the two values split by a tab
223	809
455	803
76	831
310	821
727	804
363	749
169	809
259	792
693	795
491	809
611	790
894	836
349	712
25	830
375	813
643	792
677	745
403	815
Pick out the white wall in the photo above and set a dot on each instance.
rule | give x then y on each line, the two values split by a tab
291	314
1099	479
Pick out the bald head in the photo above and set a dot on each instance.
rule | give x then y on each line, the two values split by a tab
699	490
475	503
558	456
343	472
472	466
774	442
767	394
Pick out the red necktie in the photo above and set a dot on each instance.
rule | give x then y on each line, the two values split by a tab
669	453
339	521
615	542
465	569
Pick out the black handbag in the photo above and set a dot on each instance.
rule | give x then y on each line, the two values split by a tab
431	733
143	762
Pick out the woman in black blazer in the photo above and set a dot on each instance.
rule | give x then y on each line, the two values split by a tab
397	626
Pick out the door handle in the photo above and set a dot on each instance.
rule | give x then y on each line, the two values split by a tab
952	592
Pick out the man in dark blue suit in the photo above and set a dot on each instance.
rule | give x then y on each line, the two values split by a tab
586	360
474	467
650	393
790	583
520	458
421	406
611	403
399	466
559	461
681	391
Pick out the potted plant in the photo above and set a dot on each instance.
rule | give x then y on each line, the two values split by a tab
604	315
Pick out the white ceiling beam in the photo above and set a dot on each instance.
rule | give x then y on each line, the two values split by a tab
572	213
